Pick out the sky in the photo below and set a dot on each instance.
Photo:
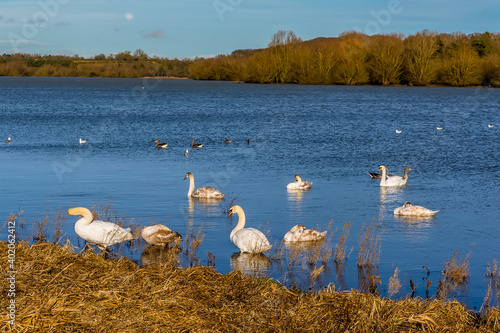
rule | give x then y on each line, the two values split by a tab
202	28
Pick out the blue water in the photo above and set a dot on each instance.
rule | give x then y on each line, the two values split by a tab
330	135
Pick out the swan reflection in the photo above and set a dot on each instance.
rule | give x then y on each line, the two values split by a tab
250	263
155	254
296	195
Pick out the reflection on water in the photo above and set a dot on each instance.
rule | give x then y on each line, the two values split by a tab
250	263
296	195
159	254
389	196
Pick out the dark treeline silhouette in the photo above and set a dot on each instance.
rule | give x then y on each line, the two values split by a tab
353	58
124	64
426	58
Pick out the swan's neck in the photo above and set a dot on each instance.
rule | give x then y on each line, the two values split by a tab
382	181
241	223
85	220
299	180
191	186
405	175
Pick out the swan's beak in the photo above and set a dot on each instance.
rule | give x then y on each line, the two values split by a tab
230	213
185	177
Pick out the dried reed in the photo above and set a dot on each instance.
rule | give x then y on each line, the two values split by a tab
455	274
394	286
339	254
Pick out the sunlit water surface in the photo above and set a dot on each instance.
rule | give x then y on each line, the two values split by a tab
331	135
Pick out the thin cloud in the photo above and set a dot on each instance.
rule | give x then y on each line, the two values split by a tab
154	34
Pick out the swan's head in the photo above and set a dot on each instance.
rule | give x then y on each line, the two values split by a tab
79	211
234	210
297	177
380	168
188	175
407	204
297	228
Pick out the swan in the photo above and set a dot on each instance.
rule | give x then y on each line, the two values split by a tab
409	210
82	141
439	128
399	131
299	184
299	233
248	240
160	145
227	140
102	234
159	235
392	180
8	140
202	192
375	175
196	145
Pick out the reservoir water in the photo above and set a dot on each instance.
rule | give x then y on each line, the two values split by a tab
330	135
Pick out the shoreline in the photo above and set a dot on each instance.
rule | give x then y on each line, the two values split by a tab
67	291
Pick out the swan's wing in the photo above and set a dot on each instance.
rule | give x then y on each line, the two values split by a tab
207	192
251	240
106	233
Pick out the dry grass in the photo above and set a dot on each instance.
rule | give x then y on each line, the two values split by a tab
455	274
492	297
58	290
395	285
192	241
368	257
339	253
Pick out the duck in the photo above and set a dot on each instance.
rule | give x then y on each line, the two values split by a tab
100	233
249	240
186	153
409	210
393	180
299	184
82	141
227	140
299	233
160	235
489	126
206	192
8	140
161	145
196	145
399	131
248	141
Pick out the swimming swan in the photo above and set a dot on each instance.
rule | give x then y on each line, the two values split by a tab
299	184
160	145
248	240
299	233
393	180
196	145
409	210
159	235
375	175
82	141
102	234
202	192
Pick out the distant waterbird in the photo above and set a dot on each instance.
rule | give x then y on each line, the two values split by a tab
491	125
227	140
82	141
8	140
196	145
161	145
399	131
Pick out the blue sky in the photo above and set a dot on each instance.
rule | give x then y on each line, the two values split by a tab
189	28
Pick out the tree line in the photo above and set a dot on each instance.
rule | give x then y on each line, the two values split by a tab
353	58
124	64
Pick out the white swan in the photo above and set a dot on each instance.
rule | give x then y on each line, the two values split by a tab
196	145
206	192
159	235
160	145
393	180
374	175
299	184
102	234
82	141
8	140
299	233
439	128
409	210
248	240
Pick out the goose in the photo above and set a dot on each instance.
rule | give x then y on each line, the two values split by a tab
299	233
489	126
102	234
196	145
392	180
206	192
160	145
227	140
399	131
409	210
299	184
160	235
82	141
248	240
8	140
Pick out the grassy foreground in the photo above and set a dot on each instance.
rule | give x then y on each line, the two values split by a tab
58	290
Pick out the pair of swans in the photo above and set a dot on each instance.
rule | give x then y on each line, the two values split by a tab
391	180
105	234
251	240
